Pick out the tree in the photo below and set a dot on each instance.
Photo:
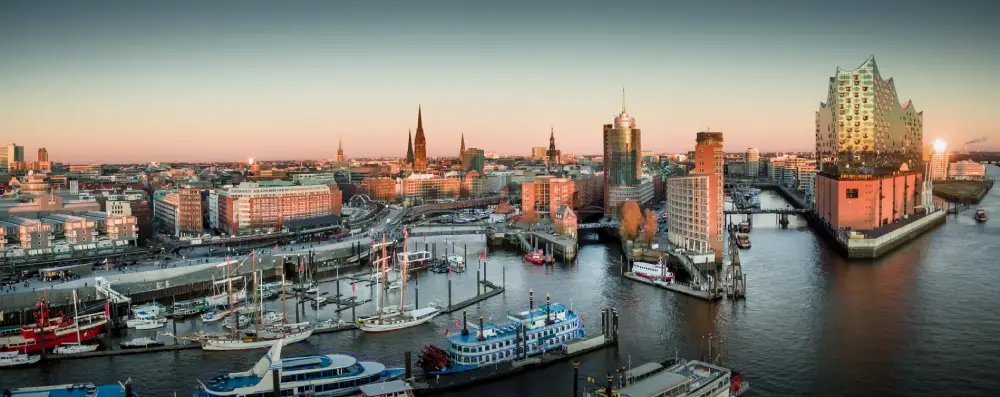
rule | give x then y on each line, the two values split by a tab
649	226
631	218
529	217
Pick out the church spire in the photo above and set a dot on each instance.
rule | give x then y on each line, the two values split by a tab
462	149
420	119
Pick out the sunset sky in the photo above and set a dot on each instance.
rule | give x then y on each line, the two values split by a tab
218	80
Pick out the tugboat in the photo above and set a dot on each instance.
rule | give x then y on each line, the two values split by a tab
981	215
536	257
743	240
744	227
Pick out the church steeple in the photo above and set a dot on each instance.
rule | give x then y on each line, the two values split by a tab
462	149
552	138
409	149
340	150
552	155
420	145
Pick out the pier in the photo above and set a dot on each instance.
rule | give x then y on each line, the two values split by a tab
675	287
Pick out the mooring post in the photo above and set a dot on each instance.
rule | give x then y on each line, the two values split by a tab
416	293
276	380
354	303
407	360
576	377
449	294
503	281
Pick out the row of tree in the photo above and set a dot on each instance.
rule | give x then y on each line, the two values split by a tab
635	223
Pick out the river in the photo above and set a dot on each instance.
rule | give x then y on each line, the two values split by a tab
921	320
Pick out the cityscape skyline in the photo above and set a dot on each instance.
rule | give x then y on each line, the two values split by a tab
85	81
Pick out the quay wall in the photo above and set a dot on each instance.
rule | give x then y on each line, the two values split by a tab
871	248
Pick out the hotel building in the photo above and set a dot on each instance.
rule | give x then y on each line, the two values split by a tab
251	207
966	169
688	213
868	146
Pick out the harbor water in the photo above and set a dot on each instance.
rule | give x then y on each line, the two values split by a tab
921	320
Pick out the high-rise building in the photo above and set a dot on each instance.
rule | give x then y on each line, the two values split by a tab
688	213
409	148
708	160
189	217
43	154
938	165
420	145
473	160
751	161
340	151
869	153
10	154
552	155
622	163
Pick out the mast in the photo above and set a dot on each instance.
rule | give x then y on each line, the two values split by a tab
402	269
282	295
76	320
229	292
256	300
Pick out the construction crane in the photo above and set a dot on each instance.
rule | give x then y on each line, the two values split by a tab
977	140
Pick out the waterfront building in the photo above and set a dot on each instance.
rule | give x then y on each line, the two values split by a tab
751	160
420	145
428	187
546	194
687	213
55	203
564	221
538	153
31	234
473	159
966	169
552	155
623	164
869	153
708	159
807	184
166	210
588	192
76	230
938	165
379	189
255	207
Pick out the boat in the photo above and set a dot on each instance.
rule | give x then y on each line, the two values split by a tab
57	330
15	359
181	313
328	324
549	327
141	343
269	290
415	260
743	240
309	375
271	317
536	257
74	348
241	322
679	378
70	390
744	227
224	296
980	215
394	388
212	316
391	318
653	271
312	291
320	301
144	321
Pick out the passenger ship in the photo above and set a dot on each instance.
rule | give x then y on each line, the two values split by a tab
309	375
548	327
58	330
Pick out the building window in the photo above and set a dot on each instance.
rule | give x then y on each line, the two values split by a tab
852	193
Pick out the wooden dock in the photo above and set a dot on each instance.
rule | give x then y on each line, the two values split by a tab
494	291
681	288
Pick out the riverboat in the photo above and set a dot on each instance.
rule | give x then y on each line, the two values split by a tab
57	330
679	378
744	227
981	215
74	390
415	260
743	240
653	271
528	333
309	375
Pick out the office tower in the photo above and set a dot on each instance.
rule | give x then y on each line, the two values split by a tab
751	161
420	145
10	154
623	164
552	155
868	146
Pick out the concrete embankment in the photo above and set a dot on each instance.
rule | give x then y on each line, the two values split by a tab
675	287
858	247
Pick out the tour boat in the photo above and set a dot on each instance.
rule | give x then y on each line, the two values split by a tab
141	343
743	240
676	378
415	260
981	215
536	257
15	359
57	331
395	388
181	313
526	334
143	319
74	390
391	318
308	375
74	348
652	271
744	227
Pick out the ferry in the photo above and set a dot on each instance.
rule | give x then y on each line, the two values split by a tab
743	240
58	330
981	215
414	260
679	378
74	390
311	375
652	271
549	327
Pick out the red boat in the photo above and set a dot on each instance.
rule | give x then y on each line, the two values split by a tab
57	331
536	257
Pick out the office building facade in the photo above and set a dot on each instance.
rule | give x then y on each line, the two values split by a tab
622	162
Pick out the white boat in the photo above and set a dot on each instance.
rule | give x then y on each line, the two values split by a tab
241	323
213	316
140	318
74	348
392	318
652	271
321	301
250	343
13	359
149	309
414	259
328	324
223	299
142	342
312	291
247	310
151	324
271	318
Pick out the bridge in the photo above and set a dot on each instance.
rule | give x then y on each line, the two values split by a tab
471	203
598	225
779	211
985	157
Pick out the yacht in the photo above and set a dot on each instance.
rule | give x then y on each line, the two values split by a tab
311	375
140	343
15	359
150	324
74	348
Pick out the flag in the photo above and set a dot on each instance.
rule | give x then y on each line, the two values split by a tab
302	266
458	323
276	247
105	260
484	255
352	287
447	332
425	238
107	309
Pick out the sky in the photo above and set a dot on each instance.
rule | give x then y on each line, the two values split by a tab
126	81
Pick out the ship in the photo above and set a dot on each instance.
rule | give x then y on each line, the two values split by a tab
58	330
653	271
528	333
743	240
391	318
308	375
674	377
70	390
416	260
537	257
980	215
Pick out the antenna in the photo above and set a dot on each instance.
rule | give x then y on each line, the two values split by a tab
623	99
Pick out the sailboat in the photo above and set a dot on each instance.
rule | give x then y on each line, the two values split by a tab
256	341
391	318
75	347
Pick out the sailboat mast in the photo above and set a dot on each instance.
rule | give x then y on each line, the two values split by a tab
385	272
402	273
76	319
229	292
283	295
256	322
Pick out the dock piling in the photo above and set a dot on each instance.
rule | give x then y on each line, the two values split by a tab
449	292
416	292
576	377
276	380
354	304
408	368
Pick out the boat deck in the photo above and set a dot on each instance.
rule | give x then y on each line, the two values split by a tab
77	390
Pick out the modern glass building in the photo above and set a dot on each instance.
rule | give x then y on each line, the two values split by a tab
622	158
